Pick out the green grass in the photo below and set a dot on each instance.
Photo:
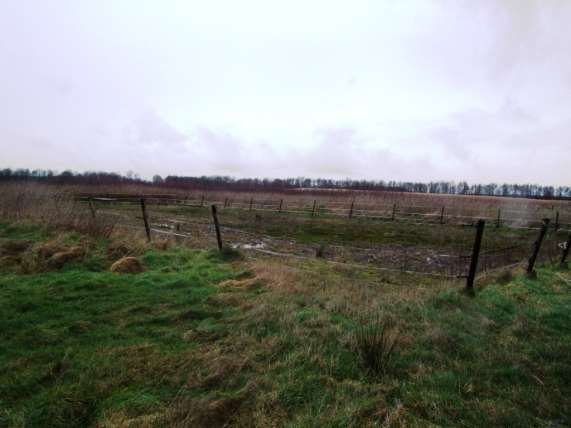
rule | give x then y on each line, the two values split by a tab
81	346
76	343
30	232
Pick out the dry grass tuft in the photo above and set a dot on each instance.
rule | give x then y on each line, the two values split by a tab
50	255
127	265
245	284
277	276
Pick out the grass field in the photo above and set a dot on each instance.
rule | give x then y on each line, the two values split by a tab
199	339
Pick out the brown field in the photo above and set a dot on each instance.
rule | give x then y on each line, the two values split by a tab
520	211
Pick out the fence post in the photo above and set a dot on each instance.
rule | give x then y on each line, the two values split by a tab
394	212
91	207
217	227
225	202
251	202
281	204
313	209
475	254
145	219
537	247
499	220
565	252
556	226
351	209
442	216
202	201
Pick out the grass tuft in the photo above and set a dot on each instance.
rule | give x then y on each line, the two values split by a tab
376	340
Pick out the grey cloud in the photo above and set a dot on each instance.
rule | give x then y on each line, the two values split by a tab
414	90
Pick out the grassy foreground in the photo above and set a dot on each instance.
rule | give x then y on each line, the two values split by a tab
199	340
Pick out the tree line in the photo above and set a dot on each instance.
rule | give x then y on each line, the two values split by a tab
286	184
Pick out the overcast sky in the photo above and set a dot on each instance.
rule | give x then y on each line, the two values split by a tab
404	90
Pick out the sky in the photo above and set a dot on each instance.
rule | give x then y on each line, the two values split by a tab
382	89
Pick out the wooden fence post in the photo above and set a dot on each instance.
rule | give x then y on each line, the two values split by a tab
91	207
394	212
225	202
251	203
565	252
475	254
217	227
442	216
351	209
202	201
145	219
281	204
537	247
556	226
313	209
499	219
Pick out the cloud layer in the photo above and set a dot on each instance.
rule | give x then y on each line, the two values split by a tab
410	90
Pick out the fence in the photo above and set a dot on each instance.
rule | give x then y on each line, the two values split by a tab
401	249
397	258
439	214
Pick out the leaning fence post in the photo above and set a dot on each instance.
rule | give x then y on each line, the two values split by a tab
351	209
537	246
217	227
145	219
313	209
499	219
475	254
565	252
394	211
91	207
442	216
281	204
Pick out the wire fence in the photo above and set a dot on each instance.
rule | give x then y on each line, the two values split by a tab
417	259
531	218
438	249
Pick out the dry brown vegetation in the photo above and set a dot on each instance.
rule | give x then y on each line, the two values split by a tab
407	202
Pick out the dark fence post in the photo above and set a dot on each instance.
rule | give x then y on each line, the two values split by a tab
442	216
202	201
556	226
537	247
251	203
565	252
351	209
145	219
91	207
499	220
281	204
394	212
313	209
217	227
475	254
225	202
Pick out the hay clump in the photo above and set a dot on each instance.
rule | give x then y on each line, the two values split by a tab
57	260
127	265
